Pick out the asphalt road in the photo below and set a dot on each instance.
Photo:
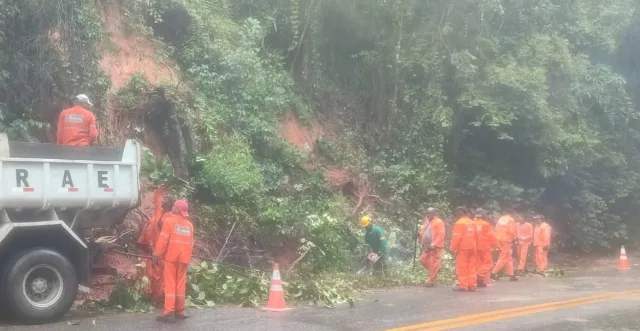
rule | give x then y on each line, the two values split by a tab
595	300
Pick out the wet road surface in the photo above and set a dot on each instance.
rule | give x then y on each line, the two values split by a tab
596	300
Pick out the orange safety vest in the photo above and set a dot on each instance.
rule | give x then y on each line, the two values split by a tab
486	236
464	235
506	229
437	231
76	127
175	243
542	235
525	230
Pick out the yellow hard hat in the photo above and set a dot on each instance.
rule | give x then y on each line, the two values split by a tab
364	221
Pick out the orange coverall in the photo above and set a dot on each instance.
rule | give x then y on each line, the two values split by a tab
524	231
486	240
542	241
431	259
76	127
175	246
147	243
463	242
506	234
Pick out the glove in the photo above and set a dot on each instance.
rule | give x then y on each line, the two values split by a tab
155	260
545	248
432	246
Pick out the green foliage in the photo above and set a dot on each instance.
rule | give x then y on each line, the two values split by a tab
229	172
403	273
328	289
245	89
130	298
158	170
130	95
49	53
556	273
495	104
212	283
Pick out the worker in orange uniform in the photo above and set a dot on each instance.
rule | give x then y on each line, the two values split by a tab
506	234
541	242
77	125
463	244
486	240
431	237
524	231
175	246
146	243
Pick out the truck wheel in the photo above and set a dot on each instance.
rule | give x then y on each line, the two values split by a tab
41	286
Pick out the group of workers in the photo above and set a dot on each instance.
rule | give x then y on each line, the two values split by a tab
167	237
473	241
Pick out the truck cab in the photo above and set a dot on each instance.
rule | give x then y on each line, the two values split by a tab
49	195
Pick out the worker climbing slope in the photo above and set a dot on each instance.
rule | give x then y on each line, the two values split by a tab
376	242
541	241
174	246
524	231
486	241
146	243
77	125
463	245
431	236
506	234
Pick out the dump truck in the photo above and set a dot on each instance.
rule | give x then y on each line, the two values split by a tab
50	195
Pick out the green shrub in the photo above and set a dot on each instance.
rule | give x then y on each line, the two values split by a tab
229	173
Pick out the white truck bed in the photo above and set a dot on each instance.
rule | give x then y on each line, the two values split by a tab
94	184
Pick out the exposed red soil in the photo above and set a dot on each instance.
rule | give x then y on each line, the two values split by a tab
303	136
135	54
338	177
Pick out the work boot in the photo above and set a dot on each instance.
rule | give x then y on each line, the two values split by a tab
494	276
513	279
481	282
166	318
459	289
182	317
429	285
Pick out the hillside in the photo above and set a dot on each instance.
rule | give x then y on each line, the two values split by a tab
284	121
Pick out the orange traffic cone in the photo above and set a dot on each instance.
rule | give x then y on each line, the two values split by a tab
623	263
276	294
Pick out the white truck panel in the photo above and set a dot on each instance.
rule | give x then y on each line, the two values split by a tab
29	182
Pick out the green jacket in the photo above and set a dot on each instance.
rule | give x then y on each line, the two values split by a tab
375	239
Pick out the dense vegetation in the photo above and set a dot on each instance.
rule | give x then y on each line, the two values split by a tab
484	102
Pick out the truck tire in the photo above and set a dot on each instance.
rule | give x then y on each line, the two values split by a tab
40	286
